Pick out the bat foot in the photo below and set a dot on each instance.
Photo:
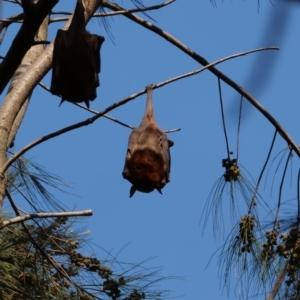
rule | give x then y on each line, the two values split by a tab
87	103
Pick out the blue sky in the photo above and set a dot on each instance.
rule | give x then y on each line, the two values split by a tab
167	226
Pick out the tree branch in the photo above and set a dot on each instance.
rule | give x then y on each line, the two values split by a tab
105	116
18	95
20	219
34	16
12	110
115	13
171	39
113	106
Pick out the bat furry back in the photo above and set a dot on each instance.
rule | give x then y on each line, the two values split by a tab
148	160
76	61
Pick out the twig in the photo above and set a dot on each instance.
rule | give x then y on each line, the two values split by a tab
171	39
192	73
114	13
113	106
45	215
281	186
118	121
262	172
223	118
238	129
105	116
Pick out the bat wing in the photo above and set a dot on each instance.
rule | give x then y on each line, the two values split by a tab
60	45
166	144
132	142
95	42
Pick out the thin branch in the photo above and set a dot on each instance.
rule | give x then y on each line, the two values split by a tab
91	110
262	172
281	186
140	9
223	118
12	203
114	13
192	73
171	39
105	116
115	105
20	219
118	121
238	130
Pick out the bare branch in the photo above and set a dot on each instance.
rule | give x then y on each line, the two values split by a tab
24	218
113	106
115	13
171	39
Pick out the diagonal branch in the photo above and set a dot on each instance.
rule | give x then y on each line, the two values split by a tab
171	39
114	13
111	107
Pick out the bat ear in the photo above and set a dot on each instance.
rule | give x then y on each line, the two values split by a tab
132	191
171	143
159	190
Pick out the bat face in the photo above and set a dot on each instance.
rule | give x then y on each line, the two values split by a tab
76	61
148	160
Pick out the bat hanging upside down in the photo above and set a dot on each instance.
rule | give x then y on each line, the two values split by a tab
148	160
76	61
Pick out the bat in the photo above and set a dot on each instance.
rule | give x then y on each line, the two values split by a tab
76	61
148	161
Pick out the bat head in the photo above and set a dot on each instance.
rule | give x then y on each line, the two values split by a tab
146	170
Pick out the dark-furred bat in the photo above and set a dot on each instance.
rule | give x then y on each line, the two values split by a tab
148	160
76	61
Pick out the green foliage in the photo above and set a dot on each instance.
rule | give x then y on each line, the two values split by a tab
46	258
49	263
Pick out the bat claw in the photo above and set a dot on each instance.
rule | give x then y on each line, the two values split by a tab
87	103
62	100
132	191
